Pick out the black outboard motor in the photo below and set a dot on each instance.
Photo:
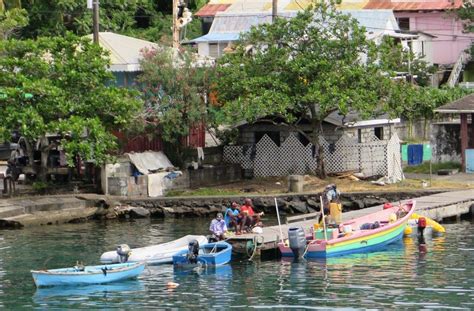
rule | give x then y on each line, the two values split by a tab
297	241
123	250
193	251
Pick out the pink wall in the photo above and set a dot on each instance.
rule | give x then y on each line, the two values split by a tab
450	40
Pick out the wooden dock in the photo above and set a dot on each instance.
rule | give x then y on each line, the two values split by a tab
437	206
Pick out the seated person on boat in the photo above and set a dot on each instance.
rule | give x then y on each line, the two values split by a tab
250	219
218	228
232	217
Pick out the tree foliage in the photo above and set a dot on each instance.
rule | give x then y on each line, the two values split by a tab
304	67
147	19
418	103
393	58
66	77
11	21
175	91
466	13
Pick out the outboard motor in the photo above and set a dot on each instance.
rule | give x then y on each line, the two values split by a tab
193	251
124	251
297	240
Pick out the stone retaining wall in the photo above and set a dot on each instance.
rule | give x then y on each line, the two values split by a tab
288	204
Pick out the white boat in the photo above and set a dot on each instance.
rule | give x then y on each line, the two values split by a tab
154	254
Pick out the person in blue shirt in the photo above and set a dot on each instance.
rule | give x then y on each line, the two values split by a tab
232	216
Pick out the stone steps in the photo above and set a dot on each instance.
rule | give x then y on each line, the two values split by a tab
11	211
42	210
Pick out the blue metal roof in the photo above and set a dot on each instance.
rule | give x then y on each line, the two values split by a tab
217	37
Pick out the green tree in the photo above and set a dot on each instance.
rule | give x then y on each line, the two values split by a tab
146	19
175	91
394	58
418	103
11	21
58	85
466	13
302	68
12	17
9	4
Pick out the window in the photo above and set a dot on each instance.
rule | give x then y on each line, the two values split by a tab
378	132
404	23
274	135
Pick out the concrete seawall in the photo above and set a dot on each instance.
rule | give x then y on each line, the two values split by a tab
42	210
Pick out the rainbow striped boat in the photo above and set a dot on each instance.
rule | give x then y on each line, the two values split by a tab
364	234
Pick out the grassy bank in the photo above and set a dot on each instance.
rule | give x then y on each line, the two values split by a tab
435	167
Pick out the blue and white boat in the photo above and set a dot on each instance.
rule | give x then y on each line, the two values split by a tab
154	254
87	274
209	254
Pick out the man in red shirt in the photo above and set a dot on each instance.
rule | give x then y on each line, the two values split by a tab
249	217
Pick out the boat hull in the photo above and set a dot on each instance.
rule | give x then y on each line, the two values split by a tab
360	241
91	275
155	254
221	256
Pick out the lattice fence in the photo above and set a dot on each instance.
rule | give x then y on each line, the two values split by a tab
375	157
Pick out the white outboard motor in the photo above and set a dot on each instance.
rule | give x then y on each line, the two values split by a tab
297	240
124	251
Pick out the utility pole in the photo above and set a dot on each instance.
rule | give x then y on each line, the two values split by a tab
94	5
175	24
274	10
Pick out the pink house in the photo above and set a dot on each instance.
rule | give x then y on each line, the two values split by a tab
432	17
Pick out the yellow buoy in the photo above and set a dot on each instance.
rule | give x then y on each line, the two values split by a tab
431	223
408	230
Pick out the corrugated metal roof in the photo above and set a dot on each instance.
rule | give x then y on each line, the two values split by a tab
125	52
250	6
227	26
375	20
352	4
211	9
236	23
424	5
372	20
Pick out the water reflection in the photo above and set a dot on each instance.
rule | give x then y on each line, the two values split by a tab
130	287
440	276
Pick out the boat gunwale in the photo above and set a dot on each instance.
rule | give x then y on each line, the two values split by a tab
132	265
365	233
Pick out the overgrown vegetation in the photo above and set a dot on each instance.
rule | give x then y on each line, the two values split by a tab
174	88
435	167
146	19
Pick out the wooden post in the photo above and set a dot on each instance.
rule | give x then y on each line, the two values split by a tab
175	24
463	140
274	10
279	222
95	20
324	217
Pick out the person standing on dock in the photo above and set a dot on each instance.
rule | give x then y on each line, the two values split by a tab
218	227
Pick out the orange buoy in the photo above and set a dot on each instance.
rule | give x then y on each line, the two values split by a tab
172	285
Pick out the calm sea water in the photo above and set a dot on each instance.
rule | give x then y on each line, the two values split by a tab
404	277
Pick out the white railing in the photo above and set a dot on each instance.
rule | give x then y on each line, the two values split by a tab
457	68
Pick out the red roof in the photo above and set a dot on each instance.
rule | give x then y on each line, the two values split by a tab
211	9
423	5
